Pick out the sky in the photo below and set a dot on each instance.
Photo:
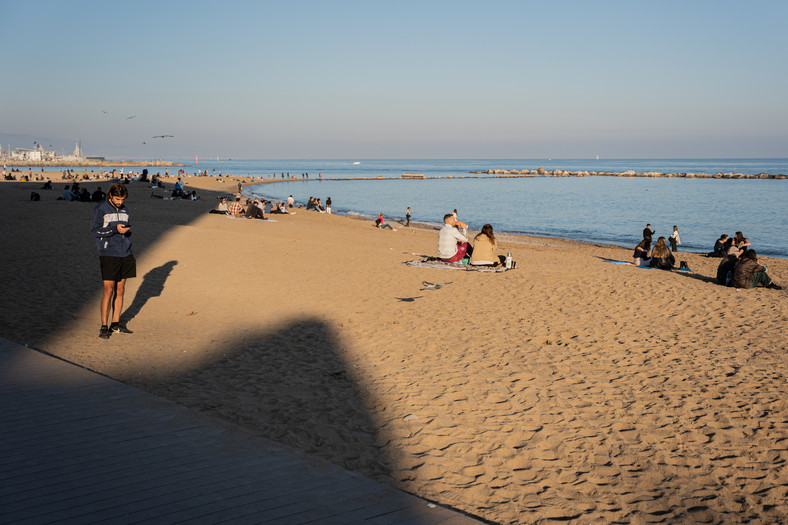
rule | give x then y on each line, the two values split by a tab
396	79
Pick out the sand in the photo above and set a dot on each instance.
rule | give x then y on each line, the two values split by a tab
567	389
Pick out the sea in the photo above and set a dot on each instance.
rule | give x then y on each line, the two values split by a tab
597	209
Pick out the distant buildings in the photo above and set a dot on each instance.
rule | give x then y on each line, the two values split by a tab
39	154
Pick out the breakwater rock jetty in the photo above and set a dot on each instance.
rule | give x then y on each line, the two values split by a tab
541	172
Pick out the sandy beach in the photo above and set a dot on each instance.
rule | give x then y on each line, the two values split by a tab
568	389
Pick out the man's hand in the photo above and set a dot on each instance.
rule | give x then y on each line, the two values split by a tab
123	229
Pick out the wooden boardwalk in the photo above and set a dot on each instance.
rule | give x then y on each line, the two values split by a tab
78	447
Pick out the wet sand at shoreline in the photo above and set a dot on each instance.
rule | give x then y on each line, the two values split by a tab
569	388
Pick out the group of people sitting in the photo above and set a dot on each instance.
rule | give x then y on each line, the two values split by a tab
180	192
454	246
317	205
255	209
739	267
73	192
661	256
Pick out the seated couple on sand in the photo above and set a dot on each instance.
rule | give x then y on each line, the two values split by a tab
661	256
453	246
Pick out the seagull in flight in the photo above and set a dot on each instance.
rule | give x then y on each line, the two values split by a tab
162	136
131	117
105	112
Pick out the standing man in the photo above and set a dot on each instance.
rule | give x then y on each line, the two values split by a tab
407	218
112	230
648	233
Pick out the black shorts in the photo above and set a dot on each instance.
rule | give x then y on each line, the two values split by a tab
118	268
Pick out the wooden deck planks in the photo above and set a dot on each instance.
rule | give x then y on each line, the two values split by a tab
79	447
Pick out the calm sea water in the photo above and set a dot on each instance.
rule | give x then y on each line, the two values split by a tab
597	209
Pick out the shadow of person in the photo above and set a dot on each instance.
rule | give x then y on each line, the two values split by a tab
152	285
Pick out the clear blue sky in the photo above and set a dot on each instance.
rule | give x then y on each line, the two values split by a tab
399	79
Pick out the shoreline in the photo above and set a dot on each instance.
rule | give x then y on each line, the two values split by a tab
216	184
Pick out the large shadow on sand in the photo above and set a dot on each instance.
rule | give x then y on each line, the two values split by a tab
292	385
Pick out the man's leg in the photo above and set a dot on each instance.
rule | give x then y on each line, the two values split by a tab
760	279
462	249
117	305
109	290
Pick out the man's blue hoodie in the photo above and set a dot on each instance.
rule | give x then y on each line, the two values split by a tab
104	227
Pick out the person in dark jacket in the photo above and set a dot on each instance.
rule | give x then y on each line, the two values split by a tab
749	274
719	247
98	195
725	269
112	230
254	212
661	257
640	255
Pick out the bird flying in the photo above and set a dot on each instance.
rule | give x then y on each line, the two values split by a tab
162	136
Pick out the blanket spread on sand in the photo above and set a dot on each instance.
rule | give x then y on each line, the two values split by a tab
433	262
625	263
249	218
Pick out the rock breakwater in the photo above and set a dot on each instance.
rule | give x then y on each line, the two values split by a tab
541	172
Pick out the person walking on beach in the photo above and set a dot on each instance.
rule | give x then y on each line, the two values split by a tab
674	239
290	200
407	218
328	205
111	227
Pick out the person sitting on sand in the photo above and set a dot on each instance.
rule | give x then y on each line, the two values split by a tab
749	274
661	257
69	195
281	209
737	248
84	196
380	224
484	246
254	212
727	264
98	195
640	256
452	245
235	209
47	185
221	207
719	247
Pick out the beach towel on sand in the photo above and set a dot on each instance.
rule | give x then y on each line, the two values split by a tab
434	262
250	219
625	263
